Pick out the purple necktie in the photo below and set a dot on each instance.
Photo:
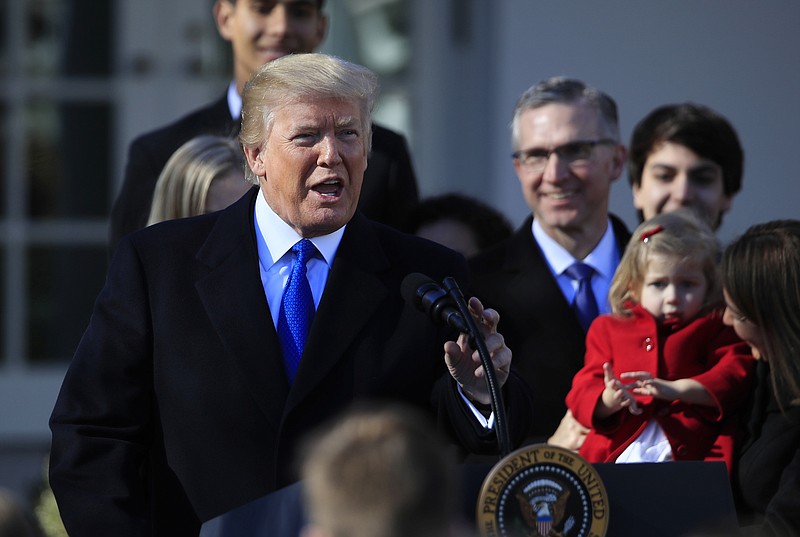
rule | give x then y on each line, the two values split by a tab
297	309
585	304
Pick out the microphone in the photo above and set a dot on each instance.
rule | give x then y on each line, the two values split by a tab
448	306
429	297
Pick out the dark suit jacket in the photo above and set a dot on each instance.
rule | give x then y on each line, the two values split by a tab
388	193
767	474
537	322
176	407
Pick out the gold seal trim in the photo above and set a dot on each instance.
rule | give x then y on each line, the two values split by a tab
542	491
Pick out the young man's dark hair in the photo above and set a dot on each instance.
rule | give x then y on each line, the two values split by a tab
699	128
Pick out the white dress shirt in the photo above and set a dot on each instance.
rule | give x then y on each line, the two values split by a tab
234	102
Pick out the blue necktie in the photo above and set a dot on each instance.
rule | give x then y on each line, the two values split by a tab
297	309
585	304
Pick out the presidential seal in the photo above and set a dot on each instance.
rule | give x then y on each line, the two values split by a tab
542	491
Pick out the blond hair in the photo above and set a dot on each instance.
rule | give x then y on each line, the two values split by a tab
182	187
297	77
679	234
380	473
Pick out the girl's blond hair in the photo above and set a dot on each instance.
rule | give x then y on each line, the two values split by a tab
680	234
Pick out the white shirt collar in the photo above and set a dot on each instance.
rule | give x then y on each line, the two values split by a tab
234	102
603	259
273	245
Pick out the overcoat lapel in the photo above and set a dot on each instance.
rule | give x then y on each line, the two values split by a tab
353	294
234	300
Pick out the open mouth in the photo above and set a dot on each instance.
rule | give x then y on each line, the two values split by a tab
329	189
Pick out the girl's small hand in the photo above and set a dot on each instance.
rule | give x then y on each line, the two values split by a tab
616	395
645	384
686	390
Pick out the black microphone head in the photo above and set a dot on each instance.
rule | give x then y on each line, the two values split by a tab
429	297
410	286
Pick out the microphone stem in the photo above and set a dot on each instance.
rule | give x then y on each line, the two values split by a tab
476	341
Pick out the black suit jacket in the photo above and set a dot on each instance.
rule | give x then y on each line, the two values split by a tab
537	322
766	480
388	193
176	407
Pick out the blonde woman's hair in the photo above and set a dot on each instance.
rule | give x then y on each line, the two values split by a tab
182	187
679	234
298	77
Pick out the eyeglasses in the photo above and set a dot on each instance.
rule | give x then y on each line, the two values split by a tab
573	153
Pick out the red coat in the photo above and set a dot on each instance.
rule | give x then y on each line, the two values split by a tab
704	350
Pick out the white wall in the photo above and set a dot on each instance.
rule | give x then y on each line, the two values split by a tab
736	56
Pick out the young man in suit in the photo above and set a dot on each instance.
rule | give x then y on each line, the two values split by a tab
567	154
260	31
181	402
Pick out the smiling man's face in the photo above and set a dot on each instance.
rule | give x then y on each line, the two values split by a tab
263	30
567	197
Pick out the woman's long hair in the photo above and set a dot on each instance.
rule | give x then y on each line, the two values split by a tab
761	274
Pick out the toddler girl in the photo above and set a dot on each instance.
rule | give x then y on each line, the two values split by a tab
663	373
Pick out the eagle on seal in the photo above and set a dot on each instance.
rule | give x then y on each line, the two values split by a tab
544	513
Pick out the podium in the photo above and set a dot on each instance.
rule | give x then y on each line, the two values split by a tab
673	499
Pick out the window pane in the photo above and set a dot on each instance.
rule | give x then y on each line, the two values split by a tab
45	30
4	173
3	39
68	159
69	38
63	284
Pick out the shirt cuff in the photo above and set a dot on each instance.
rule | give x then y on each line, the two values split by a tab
487	423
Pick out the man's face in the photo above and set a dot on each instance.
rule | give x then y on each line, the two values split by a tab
263	30
567	197
673	177
312	165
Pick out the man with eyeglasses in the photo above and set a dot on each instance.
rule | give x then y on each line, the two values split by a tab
567	154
